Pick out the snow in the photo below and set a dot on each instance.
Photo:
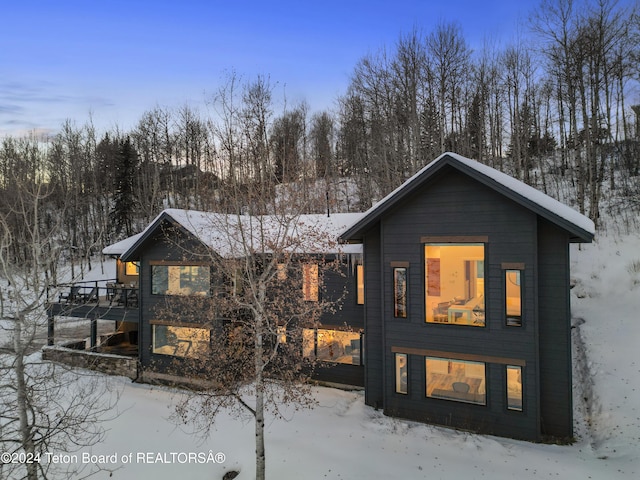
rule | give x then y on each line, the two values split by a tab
343	438
230	235
122	246
526	191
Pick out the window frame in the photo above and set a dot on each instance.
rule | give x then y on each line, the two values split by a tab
454	395
310	282
400	301
310	336
398	373
180	265
155	325
520	370
476	313
360	284
128	266
513	321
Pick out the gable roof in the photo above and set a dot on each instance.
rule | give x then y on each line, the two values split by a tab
122	246
234	236
580	228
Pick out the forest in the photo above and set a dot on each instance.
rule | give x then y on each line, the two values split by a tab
556	109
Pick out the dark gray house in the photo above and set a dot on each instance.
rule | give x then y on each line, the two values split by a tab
175	256
467	305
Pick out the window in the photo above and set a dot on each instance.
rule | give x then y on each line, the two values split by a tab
282	271
513	297
331	345
401	373
514	388
177	341
400	292
454	283
457	380
131	268
180	279
310	282
360	284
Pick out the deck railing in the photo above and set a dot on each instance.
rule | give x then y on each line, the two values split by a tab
99	292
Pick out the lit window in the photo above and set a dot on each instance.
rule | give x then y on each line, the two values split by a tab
400	292
454	283
401	373
180	341
310	282
281	333
360	284
180	280
457	380
514	388
513	290
131	268
331	345
282	271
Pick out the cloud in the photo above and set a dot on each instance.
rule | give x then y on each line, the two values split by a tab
11	109
41	104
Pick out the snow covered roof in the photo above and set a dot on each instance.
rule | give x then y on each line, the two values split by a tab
233	236
122	246
581	228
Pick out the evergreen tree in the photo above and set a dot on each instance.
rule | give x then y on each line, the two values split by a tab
124	201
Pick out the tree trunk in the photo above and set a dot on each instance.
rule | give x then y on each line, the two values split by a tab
26	433
259	410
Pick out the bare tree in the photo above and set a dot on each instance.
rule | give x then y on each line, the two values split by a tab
43	407
267	273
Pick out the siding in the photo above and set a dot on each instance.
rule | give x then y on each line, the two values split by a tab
556	406
341	287
453	204
373	326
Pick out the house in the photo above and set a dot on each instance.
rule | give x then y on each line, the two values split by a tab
457	309
467	305
174	256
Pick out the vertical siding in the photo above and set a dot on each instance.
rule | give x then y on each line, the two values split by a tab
556	406
341	287
453	204
373	326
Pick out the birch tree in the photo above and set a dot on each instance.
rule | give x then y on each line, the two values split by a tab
44	408
266	276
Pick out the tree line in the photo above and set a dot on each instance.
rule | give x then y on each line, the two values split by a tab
556	103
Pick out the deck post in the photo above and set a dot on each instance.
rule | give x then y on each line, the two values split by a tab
94	334
50	327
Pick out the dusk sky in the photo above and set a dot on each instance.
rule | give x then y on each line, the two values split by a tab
116	59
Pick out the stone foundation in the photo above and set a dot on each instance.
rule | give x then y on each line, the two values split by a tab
100	362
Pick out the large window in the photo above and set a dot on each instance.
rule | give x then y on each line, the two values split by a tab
514	388
180	279
310	282
332	345
180	341
454	283
513	296
457	380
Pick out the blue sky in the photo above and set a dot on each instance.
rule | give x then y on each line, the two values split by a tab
116	59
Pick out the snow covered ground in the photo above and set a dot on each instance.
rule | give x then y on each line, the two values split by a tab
341	438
